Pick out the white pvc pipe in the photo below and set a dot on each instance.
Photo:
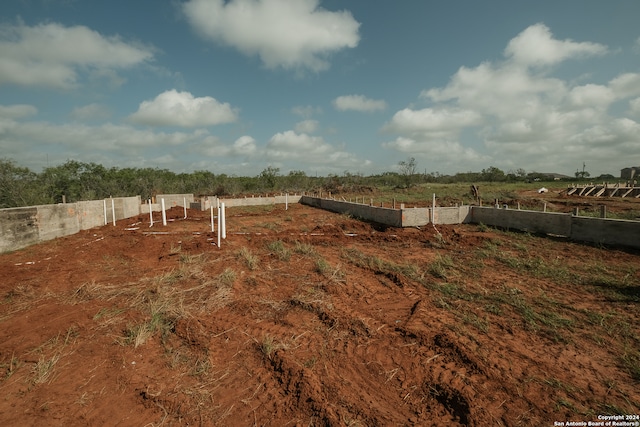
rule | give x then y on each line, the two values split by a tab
150	213
219	219
433	209
224	222
105	212
184	203
286	202
164	214
113	211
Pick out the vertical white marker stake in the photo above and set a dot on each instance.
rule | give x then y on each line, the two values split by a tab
150	213
219	219
184	203
223	229
105	212
212	228
286	202
164	214
433	209
113	211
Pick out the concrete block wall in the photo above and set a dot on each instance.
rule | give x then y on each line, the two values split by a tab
18	228
415	217
606	231
392	217
21	227
173	200
530	221
207	202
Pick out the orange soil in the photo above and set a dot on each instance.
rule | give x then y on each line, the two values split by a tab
324	334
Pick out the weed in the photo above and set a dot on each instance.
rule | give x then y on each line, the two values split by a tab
227	278
280	250
322	266
269	345
473	319
137	335
304	249
43	369
10	367
441	267
249	258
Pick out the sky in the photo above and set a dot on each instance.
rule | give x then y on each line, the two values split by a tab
324	87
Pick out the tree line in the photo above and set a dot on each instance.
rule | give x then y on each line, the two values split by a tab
75	181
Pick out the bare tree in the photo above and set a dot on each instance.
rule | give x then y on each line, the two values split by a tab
407	170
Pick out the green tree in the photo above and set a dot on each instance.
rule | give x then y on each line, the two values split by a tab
17	185
492	174
269	177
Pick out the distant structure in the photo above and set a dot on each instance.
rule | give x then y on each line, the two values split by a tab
630	173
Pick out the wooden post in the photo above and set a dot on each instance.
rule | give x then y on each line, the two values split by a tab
603	211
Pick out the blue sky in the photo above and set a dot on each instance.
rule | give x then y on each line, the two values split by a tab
321	86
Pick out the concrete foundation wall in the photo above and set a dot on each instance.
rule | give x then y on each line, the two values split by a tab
452	215
21	227
392	217
18	228
173	200
57	220
606	231
415	217
530	221
257	201
90	214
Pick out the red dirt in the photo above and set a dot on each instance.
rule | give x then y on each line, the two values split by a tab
355	325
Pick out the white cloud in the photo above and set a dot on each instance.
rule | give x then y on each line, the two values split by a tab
447	152
591	95
313	150
432	120
306	126
245	145
634	107
536	46
358	103
626	85
283	33
91	112
512	113
17	111
53	55
173	108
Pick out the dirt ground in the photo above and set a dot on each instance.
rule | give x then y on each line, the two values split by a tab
308	318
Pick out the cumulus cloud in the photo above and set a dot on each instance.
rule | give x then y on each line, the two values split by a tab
306	126
432	120
283	33
536	46
53	55
516	114
314	150
358	103
173	108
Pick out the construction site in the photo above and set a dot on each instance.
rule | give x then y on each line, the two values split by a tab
317	311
